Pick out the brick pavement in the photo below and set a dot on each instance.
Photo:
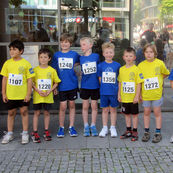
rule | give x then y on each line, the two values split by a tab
88	155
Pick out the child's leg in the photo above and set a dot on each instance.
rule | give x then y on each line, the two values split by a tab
113	115
46	119
85	107
25	117
128	120
105	112
35	120
62	109
10	120
94	111
135	121
147	112
158	116
72	111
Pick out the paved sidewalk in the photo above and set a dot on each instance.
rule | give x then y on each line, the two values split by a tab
88	154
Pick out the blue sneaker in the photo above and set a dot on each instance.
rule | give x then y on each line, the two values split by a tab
72	132
94	131
60	133
86	131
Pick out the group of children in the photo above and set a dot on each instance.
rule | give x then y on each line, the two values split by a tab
106	80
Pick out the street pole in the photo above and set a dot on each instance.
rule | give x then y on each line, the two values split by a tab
59	22
131	22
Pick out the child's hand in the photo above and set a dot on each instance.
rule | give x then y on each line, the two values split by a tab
27	98
135	100
55	92
48	92
4	98
119	98
41	93
140	99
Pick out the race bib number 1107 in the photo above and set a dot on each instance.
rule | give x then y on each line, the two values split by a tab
15	79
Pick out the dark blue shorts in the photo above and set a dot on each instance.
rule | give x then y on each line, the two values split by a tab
14	104
40	106
106	101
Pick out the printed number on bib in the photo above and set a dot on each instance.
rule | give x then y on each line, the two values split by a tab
128	87
15	79
44	84
89	68
108	77
151	83
65	63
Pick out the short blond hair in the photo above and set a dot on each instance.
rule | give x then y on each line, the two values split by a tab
89	39
108	45
152	46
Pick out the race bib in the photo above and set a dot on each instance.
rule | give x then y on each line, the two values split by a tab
15	79
108	77
151	83
44	84
65	63
89	68
128	87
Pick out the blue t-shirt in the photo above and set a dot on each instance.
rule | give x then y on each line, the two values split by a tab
89	71
171	75
64	65
109	73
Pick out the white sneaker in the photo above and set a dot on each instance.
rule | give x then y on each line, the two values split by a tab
171	140
25	138
103	132
7	138
113	132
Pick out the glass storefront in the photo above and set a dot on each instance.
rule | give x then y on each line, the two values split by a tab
39	23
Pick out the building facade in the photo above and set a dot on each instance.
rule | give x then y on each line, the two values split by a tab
39	23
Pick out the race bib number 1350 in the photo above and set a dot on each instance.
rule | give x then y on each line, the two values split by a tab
109	77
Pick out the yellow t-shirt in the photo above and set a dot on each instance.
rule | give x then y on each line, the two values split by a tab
153	73
44	80
17	73
129	78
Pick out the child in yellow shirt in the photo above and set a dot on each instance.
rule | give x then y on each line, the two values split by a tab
130	79
44	82
16	89
154	72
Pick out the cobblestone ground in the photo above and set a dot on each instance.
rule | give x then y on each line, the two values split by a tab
118	160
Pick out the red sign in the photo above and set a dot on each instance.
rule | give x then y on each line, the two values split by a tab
78	20
169	26
109	19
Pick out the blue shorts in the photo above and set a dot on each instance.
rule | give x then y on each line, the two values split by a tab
153	103
106	101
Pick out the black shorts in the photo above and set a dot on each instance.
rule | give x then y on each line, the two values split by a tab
13	104
85	94
130	108
44	106
68	95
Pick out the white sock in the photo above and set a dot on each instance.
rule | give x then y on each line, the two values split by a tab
105	128
86	124
112	127
10	133
25	132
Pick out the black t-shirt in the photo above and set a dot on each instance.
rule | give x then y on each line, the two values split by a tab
149	35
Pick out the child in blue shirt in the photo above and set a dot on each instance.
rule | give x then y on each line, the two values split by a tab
171	82
64	62
89	85
108	72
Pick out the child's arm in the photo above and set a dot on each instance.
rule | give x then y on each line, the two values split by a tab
29	90
138	91
100	79
119	92
4	85
165	76
41	93
52	89
171	82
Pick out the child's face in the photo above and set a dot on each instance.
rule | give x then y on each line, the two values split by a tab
108	53
15	52
65	45
44	59
85	46
129	57
149	54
